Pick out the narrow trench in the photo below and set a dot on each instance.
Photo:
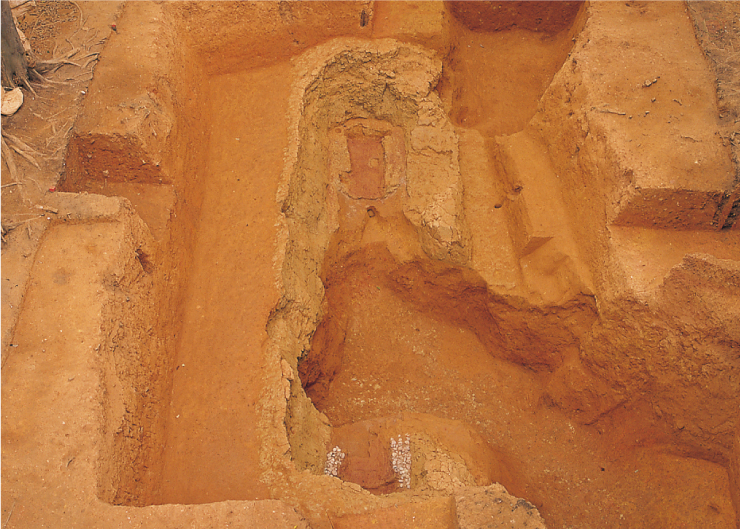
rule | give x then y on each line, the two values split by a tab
212	446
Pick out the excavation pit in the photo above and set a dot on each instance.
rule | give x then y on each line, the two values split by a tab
357	274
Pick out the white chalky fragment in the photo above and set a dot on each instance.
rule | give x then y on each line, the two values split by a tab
333	461
401	460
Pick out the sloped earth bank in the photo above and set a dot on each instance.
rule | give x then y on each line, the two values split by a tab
478	262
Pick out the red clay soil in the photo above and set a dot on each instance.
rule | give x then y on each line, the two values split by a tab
238	253
384	350
211	420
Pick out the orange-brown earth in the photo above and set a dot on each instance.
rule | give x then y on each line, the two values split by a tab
506	230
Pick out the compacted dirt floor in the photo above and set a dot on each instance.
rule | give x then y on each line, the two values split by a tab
206	293
234	258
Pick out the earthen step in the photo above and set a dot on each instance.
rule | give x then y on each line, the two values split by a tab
434	513
493	254
538	219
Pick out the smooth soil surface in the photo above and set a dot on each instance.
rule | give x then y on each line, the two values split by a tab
229	295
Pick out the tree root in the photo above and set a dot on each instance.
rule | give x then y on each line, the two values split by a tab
21	148
43	80
43	67
9	161
28	86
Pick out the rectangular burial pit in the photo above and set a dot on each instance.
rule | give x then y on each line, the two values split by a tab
198	147
232	421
